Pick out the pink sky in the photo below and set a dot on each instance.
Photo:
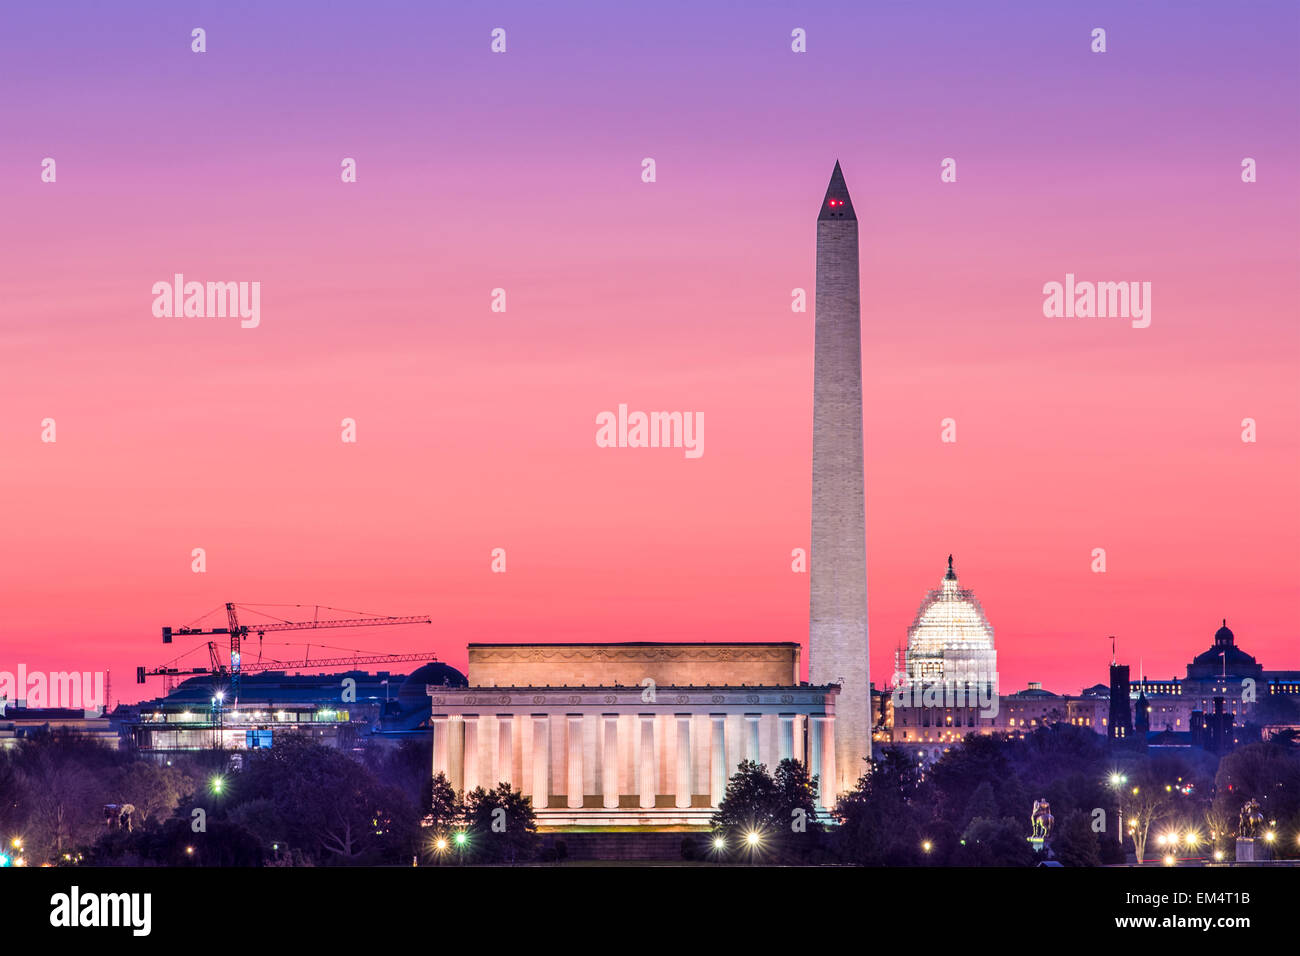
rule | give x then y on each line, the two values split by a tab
476	429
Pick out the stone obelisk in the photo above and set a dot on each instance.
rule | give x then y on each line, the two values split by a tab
837	645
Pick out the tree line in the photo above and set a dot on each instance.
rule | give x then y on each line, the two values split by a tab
65	800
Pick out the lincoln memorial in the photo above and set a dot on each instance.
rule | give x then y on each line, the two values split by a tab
642	734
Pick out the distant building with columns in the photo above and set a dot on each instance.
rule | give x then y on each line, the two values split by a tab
641	734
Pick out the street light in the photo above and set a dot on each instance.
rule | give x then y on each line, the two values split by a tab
1118	780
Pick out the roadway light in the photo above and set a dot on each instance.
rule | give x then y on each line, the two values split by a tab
440	844
1218	854
16	843
927	846
719	843
1270	836
752	838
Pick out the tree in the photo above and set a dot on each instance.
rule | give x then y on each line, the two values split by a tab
881	817
500	824
1268	772
982	758
444	809
982	804
60	788
445	813
61	804
329	803
772	816
994	843
1144	805
1076	844
223	843
154	790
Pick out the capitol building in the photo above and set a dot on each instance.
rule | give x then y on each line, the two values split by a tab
951	640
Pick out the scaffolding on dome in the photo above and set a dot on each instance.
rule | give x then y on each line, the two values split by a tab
951	639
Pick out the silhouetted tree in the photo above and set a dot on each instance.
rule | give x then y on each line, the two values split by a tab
501	825
995	843
329	803
776	812
1075	843
881	818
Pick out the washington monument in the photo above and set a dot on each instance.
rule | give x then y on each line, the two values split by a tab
837	640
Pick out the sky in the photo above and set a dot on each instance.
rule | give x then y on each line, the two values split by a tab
522	171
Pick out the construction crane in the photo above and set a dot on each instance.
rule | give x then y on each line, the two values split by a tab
217	669
238	632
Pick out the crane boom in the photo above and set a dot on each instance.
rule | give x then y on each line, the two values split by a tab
238	632
337	661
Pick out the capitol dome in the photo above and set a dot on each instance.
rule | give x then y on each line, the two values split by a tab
951	640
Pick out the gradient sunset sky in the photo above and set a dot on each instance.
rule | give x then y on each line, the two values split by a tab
522	171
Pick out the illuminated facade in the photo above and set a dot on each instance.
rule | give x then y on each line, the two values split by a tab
951	640
643	734
1223	691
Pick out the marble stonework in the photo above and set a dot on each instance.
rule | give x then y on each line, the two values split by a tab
631	665
625	754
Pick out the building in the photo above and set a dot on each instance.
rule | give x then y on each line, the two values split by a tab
1120	725
1224	690
639	734
933	730
950	640
340	710
17	723
1222	672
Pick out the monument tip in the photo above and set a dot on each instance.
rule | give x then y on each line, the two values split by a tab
837	205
